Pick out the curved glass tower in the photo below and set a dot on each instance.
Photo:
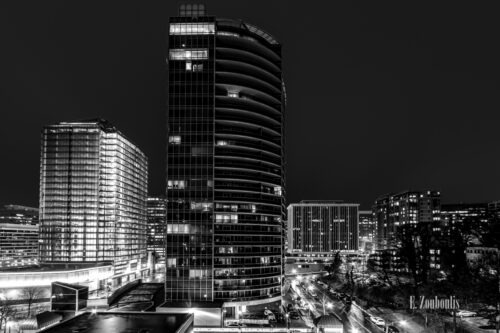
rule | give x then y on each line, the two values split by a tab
225	172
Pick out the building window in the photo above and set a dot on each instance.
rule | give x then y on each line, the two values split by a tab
172	262
278	190
221	143
178	229
197	67
201	206
176	184
189	65
188	54
192	28
233	93
226	218
174	139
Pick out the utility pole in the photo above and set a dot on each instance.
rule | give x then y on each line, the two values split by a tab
454	320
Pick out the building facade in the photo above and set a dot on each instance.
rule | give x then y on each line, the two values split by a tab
392	211
18	245
157	227
93	185
225	170
17	214
367	230
322	227
452	214
18	237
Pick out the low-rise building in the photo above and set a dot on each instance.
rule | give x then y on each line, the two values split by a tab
18	245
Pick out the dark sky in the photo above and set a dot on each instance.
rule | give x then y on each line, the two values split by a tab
381	97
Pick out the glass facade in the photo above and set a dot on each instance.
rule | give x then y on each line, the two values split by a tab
225	177
157	209
68	297
322	227
93	187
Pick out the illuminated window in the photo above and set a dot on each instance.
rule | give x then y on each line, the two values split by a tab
172	262
201	206
197	67
226	218
174	139
226	33
221	143
277	190
189	65
233	93
176	184
192	28
188	54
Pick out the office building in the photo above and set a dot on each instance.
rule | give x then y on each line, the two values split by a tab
18	237
367	230
392	211
225	170
322	227
18	245
157	226
93	185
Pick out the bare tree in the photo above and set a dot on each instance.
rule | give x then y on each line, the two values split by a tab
7	311
31	294
324	301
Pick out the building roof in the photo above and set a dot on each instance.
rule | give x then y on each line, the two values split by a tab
122	322
69	285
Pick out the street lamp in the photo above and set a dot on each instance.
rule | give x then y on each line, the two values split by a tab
354	330
329	305
287	322
403	323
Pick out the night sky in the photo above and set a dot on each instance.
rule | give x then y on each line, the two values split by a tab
381	98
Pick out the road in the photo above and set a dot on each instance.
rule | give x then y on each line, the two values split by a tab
355	318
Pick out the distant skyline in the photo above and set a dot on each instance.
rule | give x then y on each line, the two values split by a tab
381	98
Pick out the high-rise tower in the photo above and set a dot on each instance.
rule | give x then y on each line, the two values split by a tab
93	187
225	170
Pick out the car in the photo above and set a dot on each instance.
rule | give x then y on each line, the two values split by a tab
271	318
377	321
289	307
486	312
235	324
268	312
465	313
294	315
